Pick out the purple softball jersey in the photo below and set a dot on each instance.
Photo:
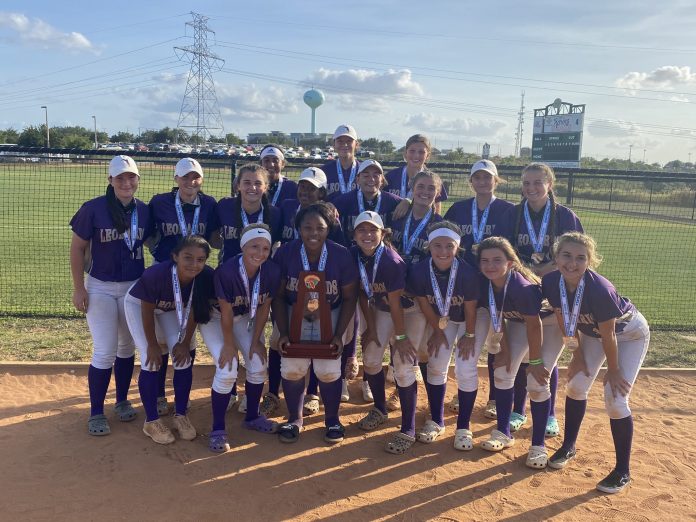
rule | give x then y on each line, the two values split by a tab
288	190
394	178
166	221
288	211
349	209
600	302
466	286
419	250
231	226
522	298
333	187
390	276
230	287
340	270
112	260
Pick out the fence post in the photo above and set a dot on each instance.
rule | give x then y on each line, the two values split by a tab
233	174
650	197
611	193
569	194
693	206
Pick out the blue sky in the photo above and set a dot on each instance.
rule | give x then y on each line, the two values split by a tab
451	70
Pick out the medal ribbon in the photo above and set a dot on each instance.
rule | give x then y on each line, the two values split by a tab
181	313
570	320
322	258
351	180
253	299
444	307
277	192
537	241
410	241
182	219
477	229
405	193
131	237
497	318
361	202
367	285
245	218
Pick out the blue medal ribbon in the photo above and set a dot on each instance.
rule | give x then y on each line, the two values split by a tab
570	319
182	220
497	318
537	241
274	202
367	285
404	192
245	218
361	202
181	313
351	180
322	258
131	237
477	230
410	241
252	299
444	305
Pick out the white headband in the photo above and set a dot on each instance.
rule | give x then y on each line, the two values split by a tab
253	234
272	151
445	232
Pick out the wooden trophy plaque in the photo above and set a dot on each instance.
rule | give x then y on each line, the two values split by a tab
311	329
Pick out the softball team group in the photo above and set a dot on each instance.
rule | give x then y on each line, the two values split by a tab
516	280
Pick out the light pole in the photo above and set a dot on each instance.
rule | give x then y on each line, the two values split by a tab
644	151
48	136
630	151
96	142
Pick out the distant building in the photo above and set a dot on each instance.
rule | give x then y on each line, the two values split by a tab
294	138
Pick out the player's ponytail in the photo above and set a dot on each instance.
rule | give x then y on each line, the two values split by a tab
117	211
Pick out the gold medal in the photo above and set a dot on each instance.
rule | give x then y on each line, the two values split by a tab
474	249
313	305
442	323
571	342
537	258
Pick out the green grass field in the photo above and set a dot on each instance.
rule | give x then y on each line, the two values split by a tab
649	260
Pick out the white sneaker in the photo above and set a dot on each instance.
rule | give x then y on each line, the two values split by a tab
367	392
390	374
184	427
243	405
158	432
345	396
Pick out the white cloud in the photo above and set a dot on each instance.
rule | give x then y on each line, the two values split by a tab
612	129
432	123
667	77
34	31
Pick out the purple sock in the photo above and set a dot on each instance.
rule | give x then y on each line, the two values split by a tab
424	372
466	406
147	384
313	384
183	379
540	415
331	395
98	382
253	394
408	396
376	383
123	373
503	403
622	433
436	399
294	397
520	393
348	351
274	372
219	402
553	384
162	372
574	413
491	377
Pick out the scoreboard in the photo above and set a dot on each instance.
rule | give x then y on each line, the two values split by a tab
557	138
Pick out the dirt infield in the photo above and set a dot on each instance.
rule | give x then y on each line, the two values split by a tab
53	470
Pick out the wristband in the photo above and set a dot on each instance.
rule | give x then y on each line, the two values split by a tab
536	362
401	337
469	335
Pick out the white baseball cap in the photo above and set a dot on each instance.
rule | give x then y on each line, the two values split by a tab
186	165
315	176
120	164
370	163
369	217
486	166
345	130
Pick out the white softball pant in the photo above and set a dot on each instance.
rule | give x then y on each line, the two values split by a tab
107	321
551	349
467	370
632	346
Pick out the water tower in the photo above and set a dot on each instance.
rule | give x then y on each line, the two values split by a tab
313	98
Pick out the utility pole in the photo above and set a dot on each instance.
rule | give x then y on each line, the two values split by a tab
520	128
96	142
48	136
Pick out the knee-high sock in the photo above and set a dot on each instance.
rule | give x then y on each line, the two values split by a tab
520	395
253	394
540	416
294	395
574	413
491	377
98	382
503	404
147	384
183	379
553	385
436	399
162	373
376	383
313	384
274	372
622	433
219	402
466	406
331	395
424	372
123	374
408	396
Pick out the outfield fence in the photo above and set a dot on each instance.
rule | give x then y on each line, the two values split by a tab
644	222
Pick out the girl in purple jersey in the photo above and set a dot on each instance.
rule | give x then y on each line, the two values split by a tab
171	298
532	227
280	188
184	210
314	252
480	217
109	231
514	305
341	172
599	325
244	286
446	288
382	282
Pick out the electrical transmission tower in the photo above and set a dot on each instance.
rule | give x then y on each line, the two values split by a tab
520	128
199	108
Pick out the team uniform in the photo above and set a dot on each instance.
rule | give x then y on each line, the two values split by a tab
398	184
231	224
352	204
338	180
413	248
281	190
289	209
116	261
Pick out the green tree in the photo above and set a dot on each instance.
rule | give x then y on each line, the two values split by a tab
33	137
9	135
232	139
123	137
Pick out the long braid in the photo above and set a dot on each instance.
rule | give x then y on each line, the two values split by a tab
116	210
518	221
552	231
